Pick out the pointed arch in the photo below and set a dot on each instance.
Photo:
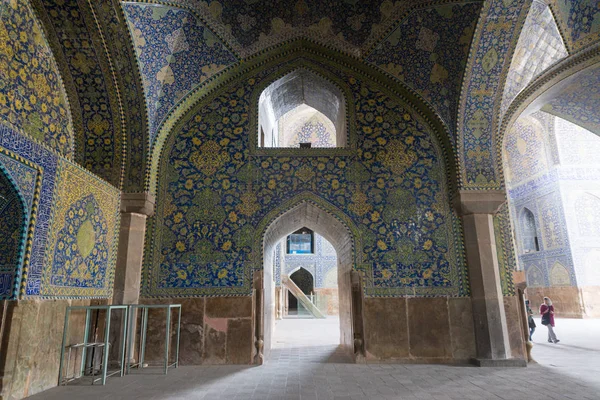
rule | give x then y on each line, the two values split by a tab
13	234
559	275
302	87
311	211
565	74
529	231
287	57
304	279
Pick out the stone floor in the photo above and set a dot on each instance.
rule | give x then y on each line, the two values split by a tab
305	364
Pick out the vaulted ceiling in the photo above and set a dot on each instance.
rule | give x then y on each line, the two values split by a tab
353	26
578	100
178	45
182	43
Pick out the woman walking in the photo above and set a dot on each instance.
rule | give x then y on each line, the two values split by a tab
547	313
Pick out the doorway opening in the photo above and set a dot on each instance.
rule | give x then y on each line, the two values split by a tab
297	310
307	260
305	282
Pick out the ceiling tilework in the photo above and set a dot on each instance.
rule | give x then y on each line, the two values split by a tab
495	39
72	35
352	26
428	51
128	80
540	45
32	95
579	21
176	52
579	101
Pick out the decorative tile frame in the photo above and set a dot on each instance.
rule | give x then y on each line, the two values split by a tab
280	62
496	36
11	291
47	163
77	188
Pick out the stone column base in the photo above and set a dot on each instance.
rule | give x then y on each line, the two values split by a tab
499	363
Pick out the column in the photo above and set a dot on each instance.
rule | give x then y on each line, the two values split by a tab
135	208
477	209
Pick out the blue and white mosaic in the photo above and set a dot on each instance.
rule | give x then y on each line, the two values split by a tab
319	263
47	160
176	52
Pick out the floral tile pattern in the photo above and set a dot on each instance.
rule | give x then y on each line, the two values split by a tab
579	20
213	197
82	240
428	51
56	189
477	144
31	92
176	52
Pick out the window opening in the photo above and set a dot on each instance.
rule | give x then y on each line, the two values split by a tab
301	242
302	107
530	238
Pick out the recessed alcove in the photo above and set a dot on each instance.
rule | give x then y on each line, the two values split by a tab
302	107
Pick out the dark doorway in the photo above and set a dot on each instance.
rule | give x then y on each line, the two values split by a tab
305	281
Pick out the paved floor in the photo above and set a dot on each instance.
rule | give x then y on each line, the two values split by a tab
300	369
578	353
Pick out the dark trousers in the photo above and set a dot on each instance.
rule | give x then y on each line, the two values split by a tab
531	330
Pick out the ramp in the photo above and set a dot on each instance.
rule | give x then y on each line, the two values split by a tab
302	298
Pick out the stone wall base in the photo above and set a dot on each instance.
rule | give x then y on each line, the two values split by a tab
328	300
220	330
569	301
31	338
214	330
429	330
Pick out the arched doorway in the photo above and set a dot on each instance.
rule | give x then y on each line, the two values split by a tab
13	228
309	211
306	283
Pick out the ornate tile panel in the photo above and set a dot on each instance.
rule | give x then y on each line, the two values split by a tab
350	26
32	95
76	40
428	51
176	52
114	27
82	241
213	196
494	40
45	161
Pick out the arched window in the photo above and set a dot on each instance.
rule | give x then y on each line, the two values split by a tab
302	110
529	232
